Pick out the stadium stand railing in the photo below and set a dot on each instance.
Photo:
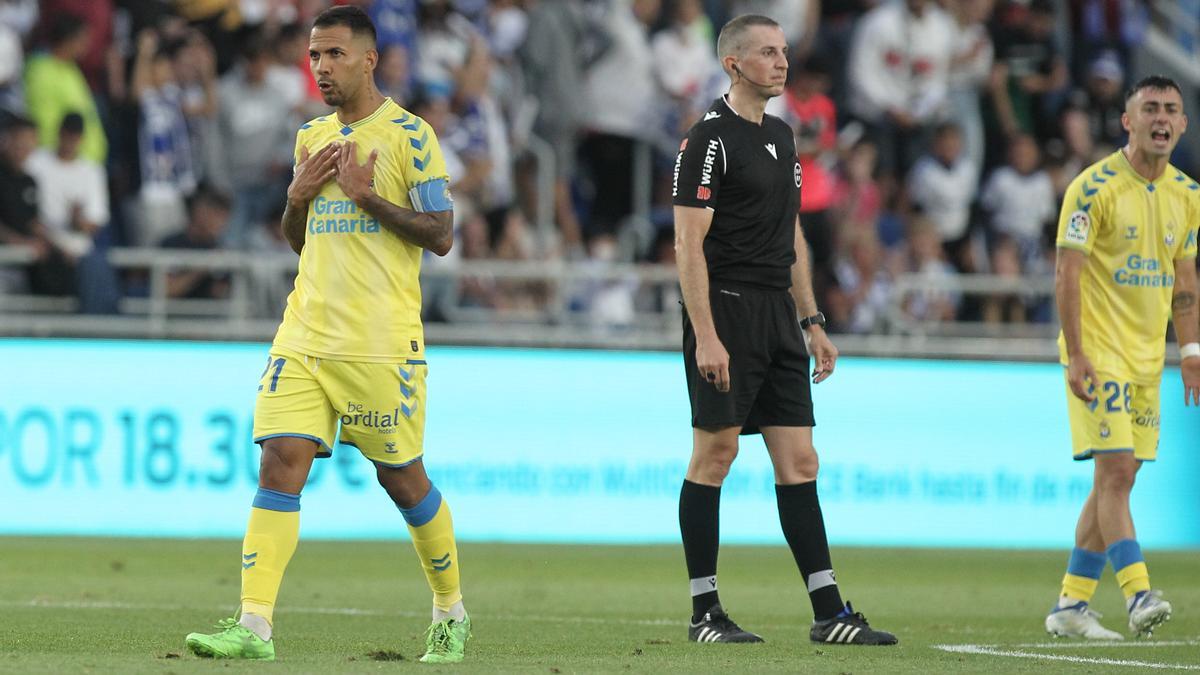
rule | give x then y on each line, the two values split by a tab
570	305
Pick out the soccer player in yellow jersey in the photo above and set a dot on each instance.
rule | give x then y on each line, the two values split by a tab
1126	263
369	194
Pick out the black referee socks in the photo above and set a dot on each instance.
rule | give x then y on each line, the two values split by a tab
699	523
804	528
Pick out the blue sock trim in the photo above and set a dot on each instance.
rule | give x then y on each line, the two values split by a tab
424	511
1082	604
274	500
1085	563
1125	553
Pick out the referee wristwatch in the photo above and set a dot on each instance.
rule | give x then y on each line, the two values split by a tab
817	319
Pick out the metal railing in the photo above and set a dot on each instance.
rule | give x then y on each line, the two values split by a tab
566	311
567	304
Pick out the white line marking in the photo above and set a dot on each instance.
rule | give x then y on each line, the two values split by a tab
1093	644
989	650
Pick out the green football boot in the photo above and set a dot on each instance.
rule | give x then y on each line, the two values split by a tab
235	641
446	641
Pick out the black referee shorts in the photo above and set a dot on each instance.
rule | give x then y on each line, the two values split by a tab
768	363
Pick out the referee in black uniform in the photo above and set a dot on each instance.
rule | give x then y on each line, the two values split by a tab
740	250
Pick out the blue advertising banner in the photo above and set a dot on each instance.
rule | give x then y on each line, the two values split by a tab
153	439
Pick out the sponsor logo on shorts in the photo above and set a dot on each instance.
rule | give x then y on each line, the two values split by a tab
358	415
1150	418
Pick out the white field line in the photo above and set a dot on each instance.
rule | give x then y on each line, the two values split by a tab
984	650
991	650
1100	644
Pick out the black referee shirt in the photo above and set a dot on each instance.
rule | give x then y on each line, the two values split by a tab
748	175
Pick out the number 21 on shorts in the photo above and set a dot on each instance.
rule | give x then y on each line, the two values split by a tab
275	367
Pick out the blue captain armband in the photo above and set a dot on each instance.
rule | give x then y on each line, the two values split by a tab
433	195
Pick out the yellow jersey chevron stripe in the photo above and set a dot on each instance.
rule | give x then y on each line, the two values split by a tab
357	294
1134	232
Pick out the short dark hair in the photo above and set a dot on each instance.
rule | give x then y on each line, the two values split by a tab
254	45
1041	7
349	16
730	39
72	123
1158	82
946	129
208	195
65	27
11	121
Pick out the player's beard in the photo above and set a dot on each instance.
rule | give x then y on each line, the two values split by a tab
333	96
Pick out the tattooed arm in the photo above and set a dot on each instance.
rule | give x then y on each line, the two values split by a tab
1186	315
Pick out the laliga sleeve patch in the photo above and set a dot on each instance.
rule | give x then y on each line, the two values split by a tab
1078	227
433	195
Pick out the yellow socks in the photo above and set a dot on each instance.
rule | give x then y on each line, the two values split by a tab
274	530
1083	575
1127	560
432	532
270	541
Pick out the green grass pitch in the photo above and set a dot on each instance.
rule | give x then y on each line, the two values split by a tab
124	606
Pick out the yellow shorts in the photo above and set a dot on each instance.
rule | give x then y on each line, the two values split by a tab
380	407
1123	418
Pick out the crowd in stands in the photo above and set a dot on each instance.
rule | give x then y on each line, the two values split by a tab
935	136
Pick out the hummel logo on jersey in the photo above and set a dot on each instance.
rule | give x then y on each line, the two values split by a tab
711	115
771	149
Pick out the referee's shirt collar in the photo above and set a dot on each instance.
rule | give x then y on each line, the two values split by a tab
725	98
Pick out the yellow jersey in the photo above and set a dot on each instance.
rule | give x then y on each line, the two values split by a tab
357	295
1133	231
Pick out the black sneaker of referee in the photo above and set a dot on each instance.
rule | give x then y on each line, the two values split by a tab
849	628
716	626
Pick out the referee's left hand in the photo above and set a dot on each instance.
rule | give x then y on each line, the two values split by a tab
823	352
354	178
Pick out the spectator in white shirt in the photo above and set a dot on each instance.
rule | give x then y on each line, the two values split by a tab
622	105
73	203
1019	197
899	65
685	60
942	186
73	208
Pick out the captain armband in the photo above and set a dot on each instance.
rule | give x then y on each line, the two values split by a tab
433	195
